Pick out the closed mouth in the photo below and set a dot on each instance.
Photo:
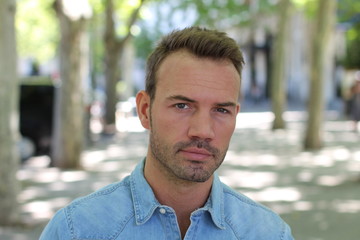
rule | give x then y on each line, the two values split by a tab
196	154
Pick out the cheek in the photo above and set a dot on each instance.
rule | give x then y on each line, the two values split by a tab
168	126
224	132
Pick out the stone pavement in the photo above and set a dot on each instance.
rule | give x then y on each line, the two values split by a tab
316	192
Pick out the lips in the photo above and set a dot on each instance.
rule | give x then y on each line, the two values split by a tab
196	154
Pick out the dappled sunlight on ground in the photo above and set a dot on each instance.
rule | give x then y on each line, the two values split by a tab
316	192
272	194
254	120
43	210
348	206
248	179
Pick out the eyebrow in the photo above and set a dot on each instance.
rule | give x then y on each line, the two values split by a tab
186	99
182	98
226	104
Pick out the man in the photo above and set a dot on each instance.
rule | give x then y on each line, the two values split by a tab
189	107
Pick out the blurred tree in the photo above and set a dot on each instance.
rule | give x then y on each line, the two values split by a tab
324	26
96	24
114	45
9	128
278	89
69	116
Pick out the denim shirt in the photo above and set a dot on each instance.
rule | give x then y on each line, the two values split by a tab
129	210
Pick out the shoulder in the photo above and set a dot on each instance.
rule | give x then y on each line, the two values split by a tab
244	215
102	214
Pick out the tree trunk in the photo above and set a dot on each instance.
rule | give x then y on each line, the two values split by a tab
278	89
113	50
69	116
9	117
326	17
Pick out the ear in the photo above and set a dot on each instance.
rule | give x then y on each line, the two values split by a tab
238	107
143	108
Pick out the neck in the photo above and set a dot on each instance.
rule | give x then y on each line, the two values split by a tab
176	192
183	196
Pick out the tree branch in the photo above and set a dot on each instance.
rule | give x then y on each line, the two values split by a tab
131	22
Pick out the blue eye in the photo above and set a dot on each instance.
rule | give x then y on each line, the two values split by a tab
222	110
181	106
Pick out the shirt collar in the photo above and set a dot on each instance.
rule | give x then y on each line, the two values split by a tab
144	199
145	203
215	203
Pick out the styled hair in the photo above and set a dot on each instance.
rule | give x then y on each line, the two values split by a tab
201	42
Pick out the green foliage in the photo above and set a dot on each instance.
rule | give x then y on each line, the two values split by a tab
37	29
349	14
124	10
144	43
308	6
224	14
352	58
98	6
349	10
155	21
220	14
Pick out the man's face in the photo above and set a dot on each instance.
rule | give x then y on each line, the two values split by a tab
193	115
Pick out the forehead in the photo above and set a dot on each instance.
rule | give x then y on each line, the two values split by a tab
182	71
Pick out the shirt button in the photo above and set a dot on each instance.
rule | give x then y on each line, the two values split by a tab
162	211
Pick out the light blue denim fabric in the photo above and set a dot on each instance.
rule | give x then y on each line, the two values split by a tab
129	210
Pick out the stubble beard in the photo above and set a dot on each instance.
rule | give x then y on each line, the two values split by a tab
177	168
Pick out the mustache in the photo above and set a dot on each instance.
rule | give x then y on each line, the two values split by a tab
196	143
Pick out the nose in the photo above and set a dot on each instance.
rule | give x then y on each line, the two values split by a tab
201	126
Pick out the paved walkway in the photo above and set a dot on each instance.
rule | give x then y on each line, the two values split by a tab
317	193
